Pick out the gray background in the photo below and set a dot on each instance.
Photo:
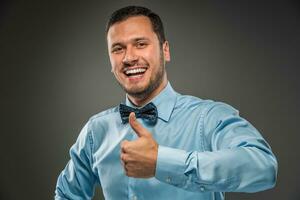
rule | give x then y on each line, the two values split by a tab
55	74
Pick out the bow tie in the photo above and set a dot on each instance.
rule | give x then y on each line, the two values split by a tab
148	113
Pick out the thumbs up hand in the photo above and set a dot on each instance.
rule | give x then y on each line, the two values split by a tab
139	156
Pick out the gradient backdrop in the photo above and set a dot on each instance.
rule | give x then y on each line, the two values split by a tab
55	74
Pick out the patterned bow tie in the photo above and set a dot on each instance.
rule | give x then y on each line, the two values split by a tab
148	113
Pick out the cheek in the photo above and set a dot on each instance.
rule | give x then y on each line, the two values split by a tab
114	63
152	55
113	67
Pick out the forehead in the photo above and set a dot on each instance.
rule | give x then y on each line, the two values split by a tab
133	27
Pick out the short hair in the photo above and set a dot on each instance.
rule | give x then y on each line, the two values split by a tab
132	11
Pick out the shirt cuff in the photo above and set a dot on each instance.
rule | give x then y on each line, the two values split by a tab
170	166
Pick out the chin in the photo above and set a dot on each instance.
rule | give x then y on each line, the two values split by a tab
133	91
136	87
138	92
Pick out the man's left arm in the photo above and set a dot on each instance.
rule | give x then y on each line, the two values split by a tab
240	160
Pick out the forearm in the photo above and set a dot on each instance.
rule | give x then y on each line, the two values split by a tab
240	169
75	182
78	180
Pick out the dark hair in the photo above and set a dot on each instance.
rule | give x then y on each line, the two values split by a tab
132	11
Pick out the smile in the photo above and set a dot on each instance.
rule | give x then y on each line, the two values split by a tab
135	71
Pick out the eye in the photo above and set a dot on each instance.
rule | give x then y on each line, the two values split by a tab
117	49
141	45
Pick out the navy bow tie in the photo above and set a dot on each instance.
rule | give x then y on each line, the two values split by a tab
148	113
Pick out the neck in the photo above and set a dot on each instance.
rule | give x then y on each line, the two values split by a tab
139	102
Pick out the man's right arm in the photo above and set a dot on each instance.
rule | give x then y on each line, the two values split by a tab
77	180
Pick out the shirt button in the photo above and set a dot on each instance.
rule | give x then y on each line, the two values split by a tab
202	189
168	179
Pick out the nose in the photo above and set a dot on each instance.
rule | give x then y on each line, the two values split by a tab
130	57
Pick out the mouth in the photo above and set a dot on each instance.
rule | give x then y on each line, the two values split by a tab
134	72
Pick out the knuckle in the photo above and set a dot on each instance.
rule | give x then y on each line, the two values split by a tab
124	142
123	157
124	145
123	164
128	173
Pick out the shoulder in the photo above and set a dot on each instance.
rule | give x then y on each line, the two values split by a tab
100	123
103	118
110	112
204	106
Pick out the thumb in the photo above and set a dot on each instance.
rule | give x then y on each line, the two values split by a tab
136	126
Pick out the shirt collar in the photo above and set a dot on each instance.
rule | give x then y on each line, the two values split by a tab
164	102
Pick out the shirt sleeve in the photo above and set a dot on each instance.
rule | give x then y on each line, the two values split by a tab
77	180
238	159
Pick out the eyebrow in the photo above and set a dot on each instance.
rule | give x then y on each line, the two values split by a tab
132	40
140	38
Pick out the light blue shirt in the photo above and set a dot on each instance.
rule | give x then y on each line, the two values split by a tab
205	149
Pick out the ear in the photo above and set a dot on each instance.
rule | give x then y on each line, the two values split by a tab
166	51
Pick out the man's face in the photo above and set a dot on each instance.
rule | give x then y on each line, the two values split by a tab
136	56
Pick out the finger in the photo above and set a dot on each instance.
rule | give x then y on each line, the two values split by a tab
125	168
136	126
124	146
124	158
128	170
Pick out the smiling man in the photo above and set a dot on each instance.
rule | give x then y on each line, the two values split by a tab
160	144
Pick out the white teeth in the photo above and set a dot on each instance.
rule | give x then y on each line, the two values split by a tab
134	71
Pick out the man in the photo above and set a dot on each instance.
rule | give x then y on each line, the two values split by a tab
161	144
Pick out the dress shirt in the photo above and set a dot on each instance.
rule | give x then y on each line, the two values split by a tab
205	149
